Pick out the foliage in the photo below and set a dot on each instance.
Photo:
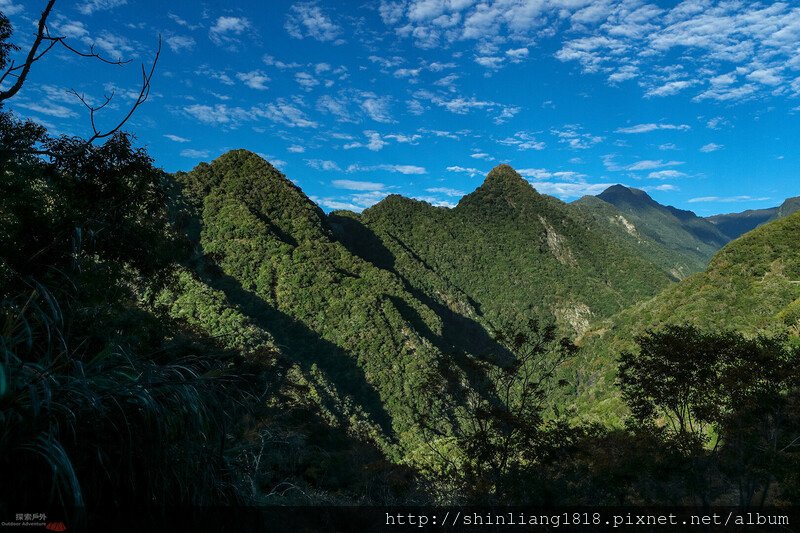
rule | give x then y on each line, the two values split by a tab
727	402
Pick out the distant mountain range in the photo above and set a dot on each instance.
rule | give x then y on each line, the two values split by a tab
733	225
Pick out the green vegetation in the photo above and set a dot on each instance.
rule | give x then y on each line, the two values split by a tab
213	338
678	241
564	266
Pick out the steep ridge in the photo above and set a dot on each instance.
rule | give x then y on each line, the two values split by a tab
515	252
734	225
373	352
619	226
689	239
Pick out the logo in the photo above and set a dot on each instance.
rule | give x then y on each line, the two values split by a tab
56	526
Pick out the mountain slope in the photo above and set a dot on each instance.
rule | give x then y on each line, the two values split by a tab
736	224
691	239
515	252
752	285
674	262
374	353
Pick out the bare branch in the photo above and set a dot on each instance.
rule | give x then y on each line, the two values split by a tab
32	54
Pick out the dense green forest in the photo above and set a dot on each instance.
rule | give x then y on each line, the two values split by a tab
214	337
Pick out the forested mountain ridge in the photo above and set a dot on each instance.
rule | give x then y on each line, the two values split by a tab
386	308
752	286
736	224
674	238
377	347
514	251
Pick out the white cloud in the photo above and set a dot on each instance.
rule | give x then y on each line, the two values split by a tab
573	136
10	8
255	79
400	169
176	138
296	149
377	108
407	72
115	46
647	164
208	72
354	185
665	174
387	62
217	114
506	113
662	187
716	123
646	128
403	138
610	162
178	43
225	30
670	48
48	108
544	174
523	140
671	87
308	20
92	6
323	164
72	29
517	53
472	172
727	199
306	80
287	114
710	147
374	142
446	191
194	154
337	107
570	190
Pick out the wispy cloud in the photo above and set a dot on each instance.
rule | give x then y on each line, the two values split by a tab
727	199
648	127
92	6
225	30
307	19
710	147
400	169
195	154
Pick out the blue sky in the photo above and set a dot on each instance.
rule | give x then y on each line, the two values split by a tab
697	102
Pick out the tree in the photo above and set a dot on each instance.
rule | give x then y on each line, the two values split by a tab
43	43
722	398
498	429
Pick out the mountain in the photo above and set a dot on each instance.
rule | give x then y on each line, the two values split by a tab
736	224
513	252
376	351
752	286
395	312
678	240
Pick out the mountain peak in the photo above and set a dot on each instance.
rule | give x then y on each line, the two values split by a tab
618	192
504	176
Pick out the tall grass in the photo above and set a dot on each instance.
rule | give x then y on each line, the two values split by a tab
109	427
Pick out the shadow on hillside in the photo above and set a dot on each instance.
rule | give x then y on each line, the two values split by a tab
463	340
306	347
